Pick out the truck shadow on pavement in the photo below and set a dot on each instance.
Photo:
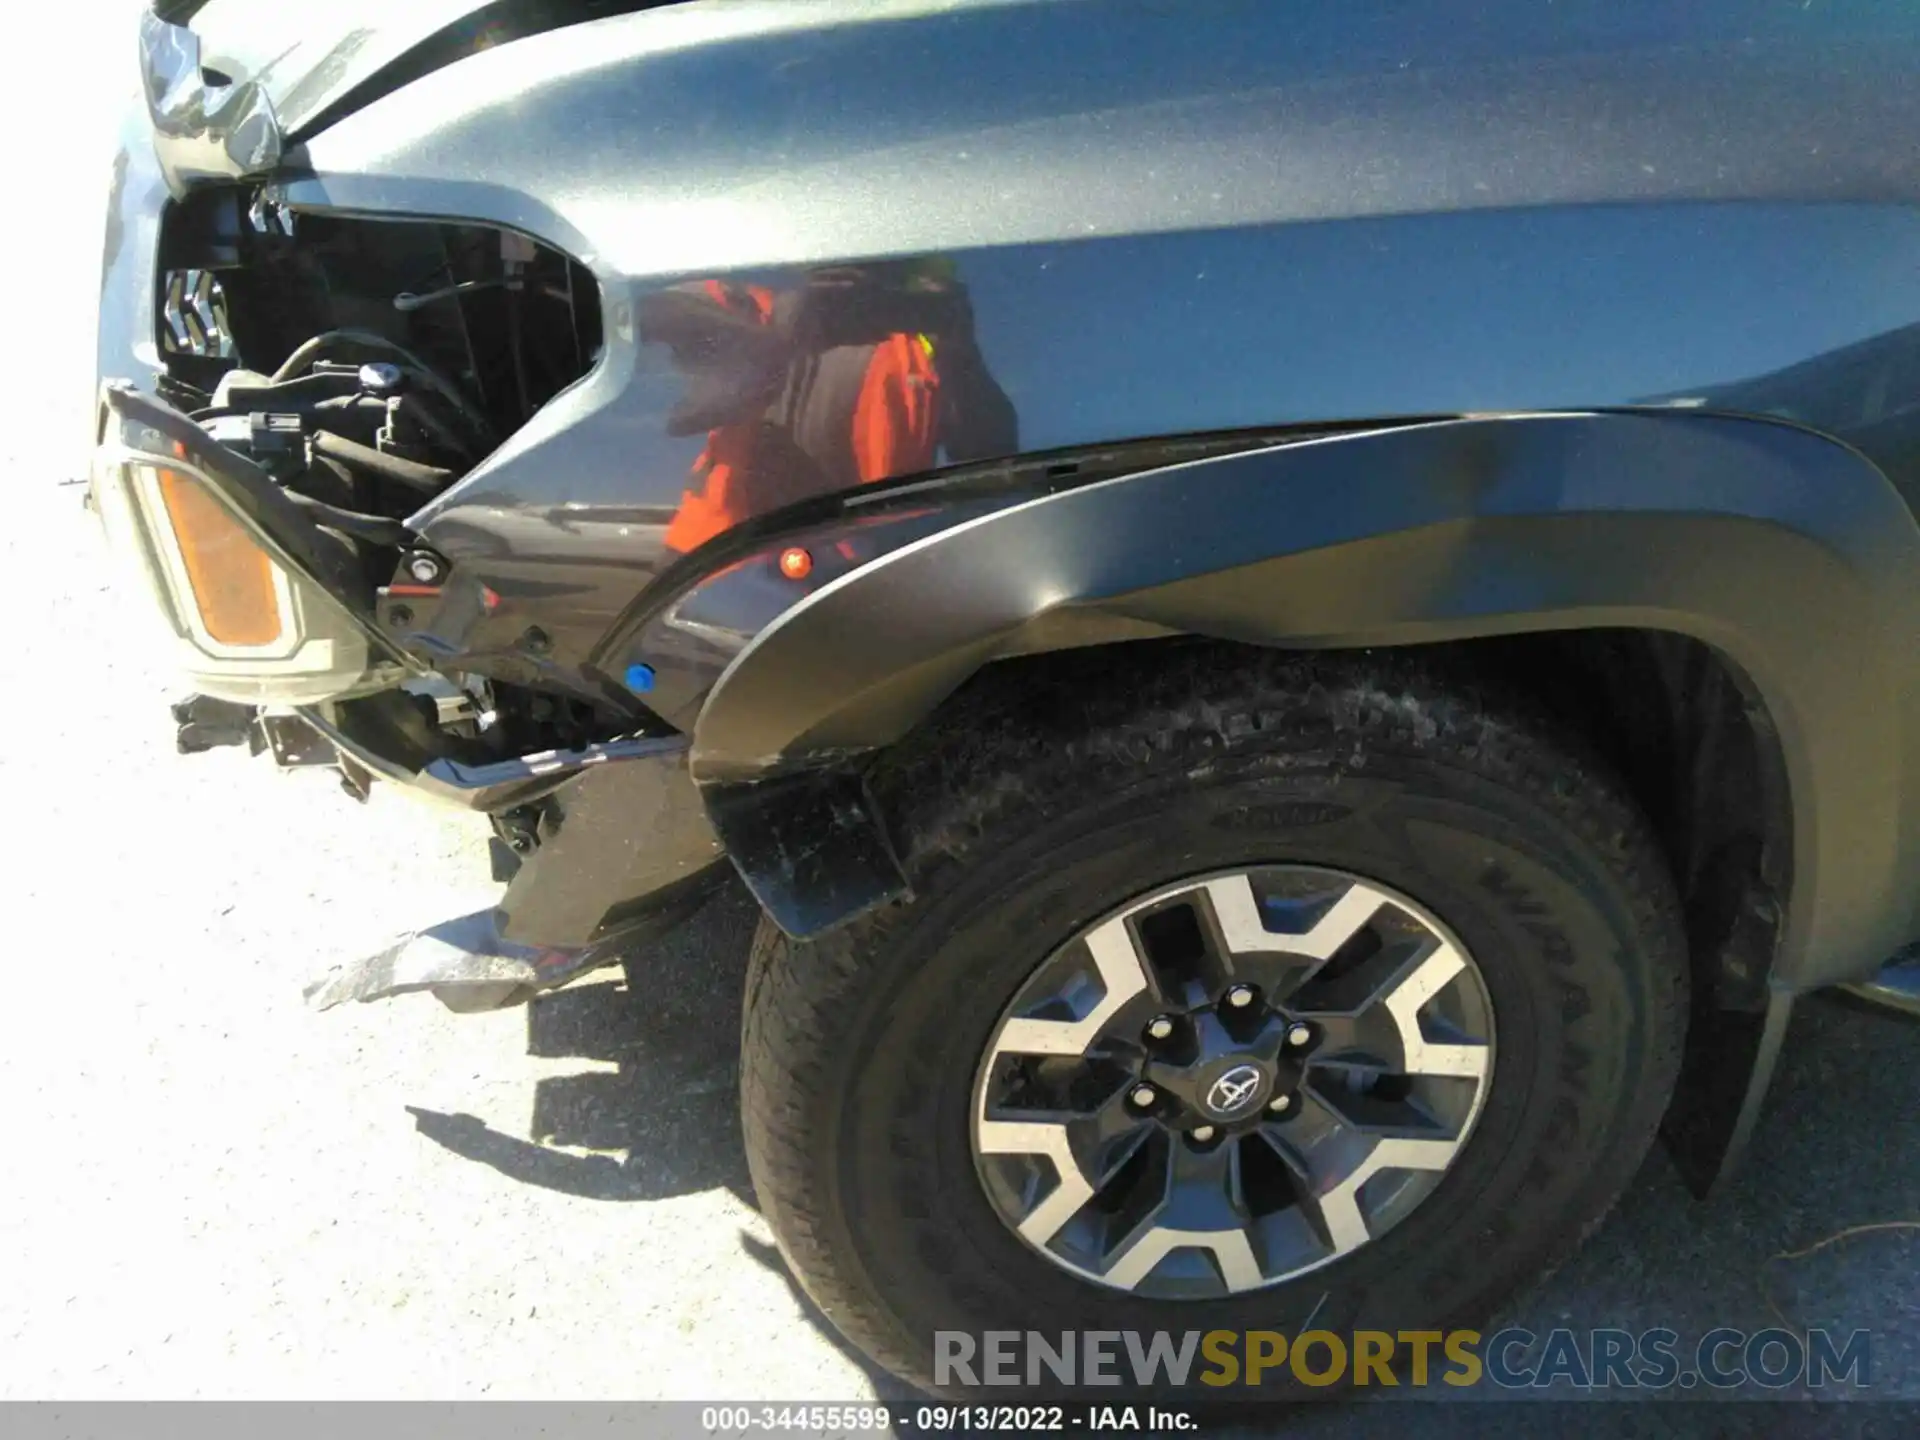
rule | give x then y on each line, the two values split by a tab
671	1029
1839	1146
672	1032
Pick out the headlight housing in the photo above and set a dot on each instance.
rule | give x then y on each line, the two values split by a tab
247	622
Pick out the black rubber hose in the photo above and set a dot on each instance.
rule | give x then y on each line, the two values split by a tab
281	396
334	406
367	339
428	479
375	528
365	404
417	406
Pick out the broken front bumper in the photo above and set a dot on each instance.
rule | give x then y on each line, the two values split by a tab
615	837
619	847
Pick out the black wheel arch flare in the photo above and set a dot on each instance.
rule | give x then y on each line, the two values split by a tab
1789	553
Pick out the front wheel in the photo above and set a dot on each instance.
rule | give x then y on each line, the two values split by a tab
1301	994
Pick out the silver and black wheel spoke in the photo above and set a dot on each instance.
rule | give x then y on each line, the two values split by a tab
1201	1210
1287	932
1071	1111
1334	1155
1372	1099
1099	977
1312	1132
1232	1081
1382	999
1186	957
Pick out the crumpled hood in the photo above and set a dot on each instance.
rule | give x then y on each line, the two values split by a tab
306	53
231	83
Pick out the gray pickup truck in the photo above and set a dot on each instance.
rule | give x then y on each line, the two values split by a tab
1304	619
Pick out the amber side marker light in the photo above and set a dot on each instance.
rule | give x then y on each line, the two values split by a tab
231	576
796	564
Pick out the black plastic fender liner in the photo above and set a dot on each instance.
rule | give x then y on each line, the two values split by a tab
1789	553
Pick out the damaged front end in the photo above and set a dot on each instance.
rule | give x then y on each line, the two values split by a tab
434	478
282	393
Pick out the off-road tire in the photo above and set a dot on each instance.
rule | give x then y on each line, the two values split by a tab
1026	814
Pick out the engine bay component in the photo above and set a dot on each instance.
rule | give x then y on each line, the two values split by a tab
353	370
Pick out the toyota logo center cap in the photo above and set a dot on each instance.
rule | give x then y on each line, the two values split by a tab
1234	1090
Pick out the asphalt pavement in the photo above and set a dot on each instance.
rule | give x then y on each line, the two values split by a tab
208	1190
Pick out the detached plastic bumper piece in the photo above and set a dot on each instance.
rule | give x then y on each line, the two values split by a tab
465	962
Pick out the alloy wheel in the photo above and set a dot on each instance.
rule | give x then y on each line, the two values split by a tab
1232	1081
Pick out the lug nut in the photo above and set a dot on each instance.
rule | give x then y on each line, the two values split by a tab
1240	996
1203	1133
1159	1028
1299	1036
1144	1095
1280	1104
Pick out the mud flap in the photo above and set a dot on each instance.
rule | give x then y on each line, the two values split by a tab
1729	1067
811	848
